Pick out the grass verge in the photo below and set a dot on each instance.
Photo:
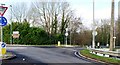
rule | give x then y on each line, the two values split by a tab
100	58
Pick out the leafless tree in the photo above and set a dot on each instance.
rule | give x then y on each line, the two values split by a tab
52	15
19	11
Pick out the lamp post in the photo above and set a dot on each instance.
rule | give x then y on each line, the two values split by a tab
93	40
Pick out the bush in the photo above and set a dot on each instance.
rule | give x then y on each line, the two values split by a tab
28	35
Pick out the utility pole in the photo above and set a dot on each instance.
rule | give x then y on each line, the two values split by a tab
112	27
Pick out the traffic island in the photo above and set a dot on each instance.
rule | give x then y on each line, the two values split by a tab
8	55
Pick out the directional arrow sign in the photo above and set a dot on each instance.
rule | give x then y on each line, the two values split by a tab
3	45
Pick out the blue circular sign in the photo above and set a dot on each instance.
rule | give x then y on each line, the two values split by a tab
3	45
3	21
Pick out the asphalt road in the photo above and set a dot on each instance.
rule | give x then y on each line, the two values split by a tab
46	56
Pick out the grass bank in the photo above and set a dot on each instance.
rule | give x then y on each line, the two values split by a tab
100	58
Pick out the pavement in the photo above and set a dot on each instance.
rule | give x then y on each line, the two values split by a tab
46	56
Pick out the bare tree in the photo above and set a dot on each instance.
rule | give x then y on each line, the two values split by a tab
76	25
52	15
19	11
47	14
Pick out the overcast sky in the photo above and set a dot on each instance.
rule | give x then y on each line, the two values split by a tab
82	8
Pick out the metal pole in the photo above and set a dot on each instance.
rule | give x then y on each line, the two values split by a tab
70	32
1	34
11	26
114	38
93	41
70	38
66	34
66	40
0	52
1	44
1	41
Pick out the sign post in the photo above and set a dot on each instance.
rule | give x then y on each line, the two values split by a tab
3	22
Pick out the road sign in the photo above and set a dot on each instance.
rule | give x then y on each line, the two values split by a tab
94	33
3	48
15	34
3	10
3	45
3	21
114	37
66	34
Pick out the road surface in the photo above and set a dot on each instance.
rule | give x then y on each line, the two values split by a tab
46	56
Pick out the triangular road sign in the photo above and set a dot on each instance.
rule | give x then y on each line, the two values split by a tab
3	10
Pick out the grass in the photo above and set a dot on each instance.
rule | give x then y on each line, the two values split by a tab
101	58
